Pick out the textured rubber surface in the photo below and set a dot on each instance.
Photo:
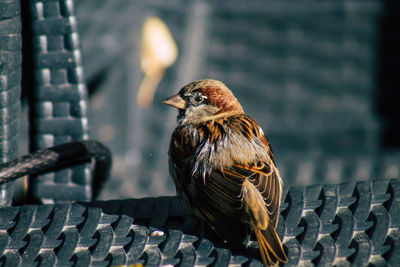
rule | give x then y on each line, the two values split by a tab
10	89
59	105
346	224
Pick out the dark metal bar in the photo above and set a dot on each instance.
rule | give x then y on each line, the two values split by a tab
64	155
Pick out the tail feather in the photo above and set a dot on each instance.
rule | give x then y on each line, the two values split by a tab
270	246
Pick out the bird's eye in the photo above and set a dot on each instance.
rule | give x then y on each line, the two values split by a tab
198	99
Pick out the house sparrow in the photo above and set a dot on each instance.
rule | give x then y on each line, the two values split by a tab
223	167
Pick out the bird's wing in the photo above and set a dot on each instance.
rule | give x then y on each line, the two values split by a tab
263	174
261	197
266	179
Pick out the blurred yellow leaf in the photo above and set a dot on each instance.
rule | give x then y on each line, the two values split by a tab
159	51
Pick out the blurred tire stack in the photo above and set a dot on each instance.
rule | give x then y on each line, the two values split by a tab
53	80
10	89
310	73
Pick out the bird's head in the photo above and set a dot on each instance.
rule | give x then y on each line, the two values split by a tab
204	100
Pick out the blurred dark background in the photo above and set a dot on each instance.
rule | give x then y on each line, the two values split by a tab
321	77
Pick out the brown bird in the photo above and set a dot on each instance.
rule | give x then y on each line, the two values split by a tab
223	167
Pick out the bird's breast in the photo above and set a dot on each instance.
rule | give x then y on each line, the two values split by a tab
219	146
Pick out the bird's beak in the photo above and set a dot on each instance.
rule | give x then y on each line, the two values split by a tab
175	101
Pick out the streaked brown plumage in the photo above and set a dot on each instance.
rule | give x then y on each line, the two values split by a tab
223	167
